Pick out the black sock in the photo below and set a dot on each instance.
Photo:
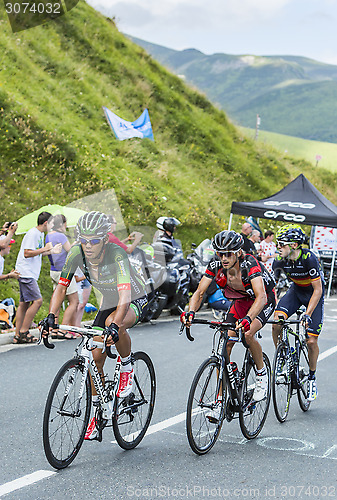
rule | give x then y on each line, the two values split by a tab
312	375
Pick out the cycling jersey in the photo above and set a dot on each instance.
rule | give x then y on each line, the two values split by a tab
115	273
250	268
302	271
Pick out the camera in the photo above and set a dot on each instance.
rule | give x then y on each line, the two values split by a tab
8	224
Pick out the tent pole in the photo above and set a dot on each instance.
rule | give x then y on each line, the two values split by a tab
230	221
331	273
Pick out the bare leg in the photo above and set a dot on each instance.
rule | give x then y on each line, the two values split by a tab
313	351
254	346
81	306
20	315
69	316
30	314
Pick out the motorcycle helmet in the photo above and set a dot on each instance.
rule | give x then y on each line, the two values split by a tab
227	241
167	223
91	223
291	233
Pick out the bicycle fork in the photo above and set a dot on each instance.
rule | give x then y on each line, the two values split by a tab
77	412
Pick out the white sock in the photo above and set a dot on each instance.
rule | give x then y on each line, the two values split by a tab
262	372
95	400
126	364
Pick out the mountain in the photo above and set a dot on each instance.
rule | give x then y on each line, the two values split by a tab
56	146
293	95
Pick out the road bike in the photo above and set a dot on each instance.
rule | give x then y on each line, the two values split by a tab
290	368
68	405
218	383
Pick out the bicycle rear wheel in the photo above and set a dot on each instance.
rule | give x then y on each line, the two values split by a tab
133	414
253	414
66	414
202	399
281	383
303	366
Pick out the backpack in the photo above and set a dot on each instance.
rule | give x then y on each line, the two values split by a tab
7	313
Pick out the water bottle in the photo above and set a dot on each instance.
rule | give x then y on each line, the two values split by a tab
293	355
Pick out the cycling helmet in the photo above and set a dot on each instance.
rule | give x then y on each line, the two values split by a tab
167	223
227	241
95	223
291	233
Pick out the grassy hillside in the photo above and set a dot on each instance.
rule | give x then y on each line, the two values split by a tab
55	145
286	91
299	148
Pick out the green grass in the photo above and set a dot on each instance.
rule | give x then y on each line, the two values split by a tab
299	148
56	146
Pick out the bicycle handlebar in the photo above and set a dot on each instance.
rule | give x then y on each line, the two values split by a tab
214	324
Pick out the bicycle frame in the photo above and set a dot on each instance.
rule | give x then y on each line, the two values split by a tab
85	353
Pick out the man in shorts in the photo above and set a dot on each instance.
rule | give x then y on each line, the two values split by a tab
124	300
28	265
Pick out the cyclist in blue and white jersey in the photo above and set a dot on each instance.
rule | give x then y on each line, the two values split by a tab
307	289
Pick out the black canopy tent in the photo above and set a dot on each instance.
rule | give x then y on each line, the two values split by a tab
299	202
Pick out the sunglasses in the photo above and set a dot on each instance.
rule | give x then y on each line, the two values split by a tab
227	254
281	244
92	241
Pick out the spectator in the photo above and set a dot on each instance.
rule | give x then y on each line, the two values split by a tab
255	239
248	246
58	236
268	251
135	237
28	264
7	233
13	274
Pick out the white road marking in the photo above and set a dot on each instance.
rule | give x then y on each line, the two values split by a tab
327	353
25	481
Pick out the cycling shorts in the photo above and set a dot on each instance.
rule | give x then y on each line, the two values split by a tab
139	306
240	308
297	297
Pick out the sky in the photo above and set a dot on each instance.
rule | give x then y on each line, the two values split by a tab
258	27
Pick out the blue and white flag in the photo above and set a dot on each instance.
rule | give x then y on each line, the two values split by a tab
125	130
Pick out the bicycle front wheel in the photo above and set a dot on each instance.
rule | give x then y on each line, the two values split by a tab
133	414
253	414
303	368
281	383
66	414
204	399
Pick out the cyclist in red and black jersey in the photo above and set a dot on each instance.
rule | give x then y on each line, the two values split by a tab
245	280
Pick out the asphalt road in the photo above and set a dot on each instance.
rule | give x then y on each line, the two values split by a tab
296	459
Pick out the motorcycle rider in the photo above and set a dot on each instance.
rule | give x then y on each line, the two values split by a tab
167	226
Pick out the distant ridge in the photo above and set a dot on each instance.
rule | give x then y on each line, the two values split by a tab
293	95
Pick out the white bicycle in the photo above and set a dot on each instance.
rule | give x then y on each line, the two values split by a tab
68	405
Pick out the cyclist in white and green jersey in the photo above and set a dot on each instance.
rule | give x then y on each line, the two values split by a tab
124	300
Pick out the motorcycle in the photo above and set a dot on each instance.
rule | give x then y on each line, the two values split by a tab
199	260
167	277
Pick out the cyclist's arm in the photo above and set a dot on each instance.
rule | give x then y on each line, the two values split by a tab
260	297
315	297
197	297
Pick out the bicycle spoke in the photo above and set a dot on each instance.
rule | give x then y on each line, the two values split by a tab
281	382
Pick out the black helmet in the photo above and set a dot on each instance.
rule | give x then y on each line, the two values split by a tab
91	223
167	223
227	241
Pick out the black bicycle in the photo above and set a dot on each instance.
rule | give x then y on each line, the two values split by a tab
217	386
290	368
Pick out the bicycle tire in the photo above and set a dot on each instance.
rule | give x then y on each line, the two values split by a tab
253	414
63	435
201	433
132	415
281	383
303	364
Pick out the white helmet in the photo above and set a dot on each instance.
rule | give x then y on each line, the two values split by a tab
167	223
